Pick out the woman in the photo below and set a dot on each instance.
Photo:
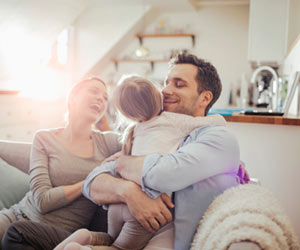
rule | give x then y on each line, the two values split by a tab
61	158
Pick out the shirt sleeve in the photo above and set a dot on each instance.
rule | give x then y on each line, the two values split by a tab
207	152
46	197
106	168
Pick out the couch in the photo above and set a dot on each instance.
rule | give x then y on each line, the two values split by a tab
14	184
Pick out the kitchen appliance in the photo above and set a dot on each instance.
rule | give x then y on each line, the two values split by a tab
265	89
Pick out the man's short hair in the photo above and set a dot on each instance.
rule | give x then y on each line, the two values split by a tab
207	76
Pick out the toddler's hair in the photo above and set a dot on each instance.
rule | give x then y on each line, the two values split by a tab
135	97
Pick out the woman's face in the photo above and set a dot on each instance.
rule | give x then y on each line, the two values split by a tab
90	102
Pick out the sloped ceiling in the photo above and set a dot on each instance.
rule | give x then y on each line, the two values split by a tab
45	19
33	26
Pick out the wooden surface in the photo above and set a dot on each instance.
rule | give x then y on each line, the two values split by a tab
139	60
9	92
276	120
165	35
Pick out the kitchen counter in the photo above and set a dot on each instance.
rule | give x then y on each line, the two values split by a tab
276	120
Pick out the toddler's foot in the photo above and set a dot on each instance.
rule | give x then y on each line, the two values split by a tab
101	239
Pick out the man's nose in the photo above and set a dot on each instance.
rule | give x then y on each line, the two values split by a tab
167	90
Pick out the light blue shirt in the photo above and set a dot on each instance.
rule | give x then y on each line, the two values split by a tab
205	164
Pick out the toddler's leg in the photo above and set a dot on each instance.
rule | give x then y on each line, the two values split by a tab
81	236
133	235
115	220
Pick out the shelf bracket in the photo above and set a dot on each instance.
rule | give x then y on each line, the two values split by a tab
152	65
116	65
140	40
193	40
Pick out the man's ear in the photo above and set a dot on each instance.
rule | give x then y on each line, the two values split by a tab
206	97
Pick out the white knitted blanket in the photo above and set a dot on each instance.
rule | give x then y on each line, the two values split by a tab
245	213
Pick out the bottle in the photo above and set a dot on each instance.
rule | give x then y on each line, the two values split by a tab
244	91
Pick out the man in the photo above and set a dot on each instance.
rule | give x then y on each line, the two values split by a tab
205	164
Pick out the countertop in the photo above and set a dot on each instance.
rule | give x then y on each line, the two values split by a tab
276	120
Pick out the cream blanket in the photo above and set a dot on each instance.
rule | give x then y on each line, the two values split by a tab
245	213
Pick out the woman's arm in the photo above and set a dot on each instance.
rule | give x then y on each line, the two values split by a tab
73	191
46	197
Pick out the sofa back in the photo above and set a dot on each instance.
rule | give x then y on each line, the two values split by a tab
16	154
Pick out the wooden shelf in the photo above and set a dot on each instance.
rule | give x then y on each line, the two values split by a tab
142	36
9	92
135	60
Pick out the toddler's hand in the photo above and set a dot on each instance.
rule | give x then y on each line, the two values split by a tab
113	157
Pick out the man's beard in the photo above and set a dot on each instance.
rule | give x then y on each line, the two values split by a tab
184	110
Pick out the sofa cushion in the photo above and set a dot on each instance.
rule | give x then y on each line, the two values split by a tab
14	184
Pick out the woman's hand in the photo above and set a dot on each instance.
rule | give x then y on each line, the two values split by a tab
73	191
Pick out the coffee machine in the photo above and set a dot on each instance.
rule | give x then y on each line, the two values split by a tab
265	88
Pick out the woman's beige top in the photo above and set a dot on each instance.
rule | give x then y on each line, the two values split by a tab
51	168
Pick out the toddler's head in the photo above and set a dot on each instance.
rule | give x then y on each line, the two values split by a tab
137	98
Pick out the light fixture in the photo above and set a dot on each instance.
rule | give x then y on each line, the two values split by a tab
142	51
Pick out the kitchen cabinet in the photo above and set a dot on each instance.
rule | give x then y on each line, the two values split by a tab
268	31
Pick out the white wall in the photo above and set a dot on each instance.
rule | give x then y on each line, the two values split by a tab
291	65
294	21
271	154
99	29
221	37
21	117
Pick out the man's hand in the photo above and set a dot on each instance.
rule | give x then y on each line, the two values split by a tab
243	174
130	167
151	213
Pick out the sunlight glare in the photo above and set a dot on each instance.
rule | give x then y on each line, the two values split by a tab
26	57
46	84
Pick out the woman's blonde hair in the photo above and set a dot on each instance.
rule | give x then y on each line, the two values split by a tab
75	89
135	97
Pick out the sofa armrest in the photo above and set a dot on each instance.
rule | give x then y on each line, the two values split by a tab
16	154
